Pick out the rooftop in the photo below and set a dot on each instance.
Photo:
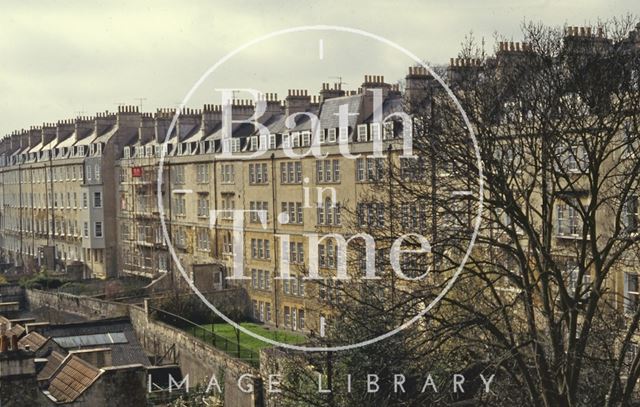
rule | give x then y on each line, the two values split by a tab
114	333
72	378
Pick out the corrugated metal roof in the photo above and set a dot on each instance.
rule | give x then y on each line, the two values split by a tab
79	341
125	353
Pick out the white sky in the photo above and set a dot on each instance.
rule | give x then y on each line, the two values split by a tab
61	58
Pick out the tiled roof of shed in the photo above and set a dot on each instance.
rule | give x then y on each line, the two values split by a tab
34	340
17	330
54	360
72	379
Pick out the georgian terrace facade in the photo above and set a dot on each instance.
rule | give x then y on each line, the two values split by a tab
86	192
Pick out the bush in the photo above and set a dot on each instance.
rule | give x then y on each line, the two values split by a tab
41	281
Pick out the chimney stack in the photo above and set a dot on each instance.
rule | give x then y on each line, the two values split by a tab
146	132
35	136
163	118
329	92
128	116
49	133
103	121
418	83
188	120
84	126
64	129
375	82
298	100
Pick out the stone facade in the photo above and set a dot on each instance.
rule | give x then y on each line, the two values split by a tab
57	182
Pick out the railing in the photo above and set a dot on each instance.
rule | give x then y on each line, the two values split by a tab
233	348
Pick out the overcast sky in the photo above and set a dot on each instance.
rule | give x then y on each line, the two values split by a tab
61	59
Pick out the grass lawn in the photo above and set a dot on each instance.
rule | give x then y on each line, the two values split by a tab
228	331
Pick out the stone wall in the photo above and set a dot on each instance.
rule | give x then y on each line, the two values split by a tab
12	292
88	307
198	359
122	386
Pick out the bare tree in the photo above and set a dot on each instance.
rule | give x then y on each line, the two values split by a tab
541	299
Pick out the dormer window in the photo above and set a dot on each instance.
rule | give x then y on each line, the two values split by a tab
344	134
375	131
254	143
407	130
99	149
331	135
81	151
160	149
149	151
272	141
388	130
306	138
295	139
235	145
285	140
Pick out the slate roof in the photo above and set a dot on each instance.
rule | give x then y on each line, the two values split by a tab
69	141
389	105
37	148
123	353
53	362
188	131
237	130
329	117
72	378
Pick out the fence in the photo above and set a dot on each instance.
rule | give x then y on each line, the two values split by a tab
233	348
